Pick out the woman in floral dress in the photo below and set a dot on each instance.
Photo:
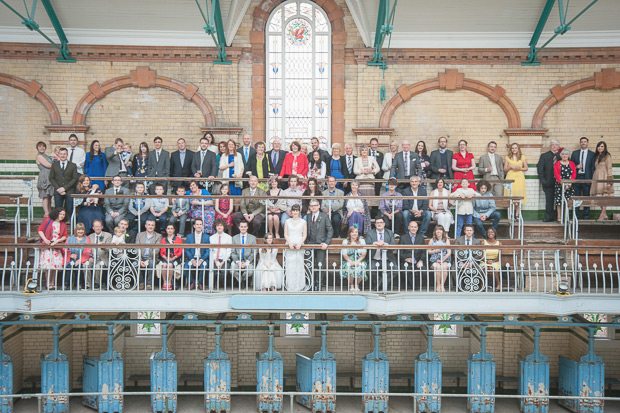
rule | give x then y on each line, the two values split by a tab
353	260
52	232
201	207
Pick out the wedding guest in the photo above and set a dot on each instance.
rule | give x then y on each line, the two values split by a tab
602	171
378	155
440	207
358	211
158	209
181	164
484	209
247	151
515	166
232	166
126	157
365	167
354	264
52	231
224	208
491	167
312	190
465	205
425	162
463	165
46	190
545	169
64	177
115	208
148	256
243	259
252	208
219	256
138	209
334	207
197	259
441	160
170	258
77	258
295	164
392	208
383	262
210	142
336	166
275	207
96	164
116	166
180	209
316	166
416	209
349	160
440	257
563	169
76	154
292	190
492	261
276	156
413	258
89	209
323	154
201	207
205	164
583	158
388	159
406	163
259	166
140	164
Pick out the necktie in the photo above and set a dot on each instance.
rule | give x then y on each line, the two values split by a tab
62	166
115	191
313	219
202	159
122	169
583	162
274	158
242	249
406	163
246	154
182	157
157	156
71	157
467	242
381	236
219	241
349	163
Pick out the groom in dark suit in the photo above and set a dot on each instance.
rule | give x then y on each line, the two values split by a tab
64	177
320	231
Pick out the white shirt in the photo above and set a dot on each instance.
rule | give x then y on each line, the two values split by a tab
315	217
493	166
79	157
415	201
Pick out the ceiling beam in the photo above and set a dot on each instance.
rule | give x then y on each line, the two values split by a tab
214	26
385	25
360	17
235	17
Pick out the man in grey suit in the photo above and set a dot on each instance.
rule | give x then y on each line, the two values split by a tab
243	259
276	155
204	164
491	166
115	163
252	209
320	231
148	256
99	256
159	165
334	207
441	160
406	164
116	208
382	259
464	257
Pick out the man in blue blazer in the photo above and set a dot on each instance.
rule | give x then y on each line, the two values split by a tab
583	159
416	209
196	259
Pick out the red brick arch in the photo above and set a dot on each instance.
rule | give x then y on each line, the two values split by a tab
33	89
606	79
260	15
452	80
142	77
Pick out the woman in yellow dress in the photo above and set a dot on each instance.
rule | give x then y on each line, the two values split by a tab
515	165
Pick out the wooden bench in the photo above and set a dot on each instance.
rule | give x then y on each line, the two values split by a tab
138	378
197	378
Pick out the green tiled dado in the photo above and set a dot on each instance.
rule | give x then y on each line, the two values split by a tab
31	161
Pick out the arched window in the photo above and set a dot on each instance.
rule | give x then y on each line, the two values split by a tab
298	48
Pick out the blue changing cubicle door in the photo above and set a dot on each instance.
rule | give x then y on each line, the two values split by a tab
6	379
164	377
428	371
317	375
217	377
585	378
269	378
534	379
55	378
481	378
375	377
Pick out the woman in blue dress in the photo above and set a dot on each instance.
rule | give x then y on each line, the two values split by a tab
89	209
201	207
96	164
336	166
231	166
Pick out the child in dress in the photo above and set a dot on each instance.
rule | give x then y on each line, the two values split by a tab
465	207
269	273
180	210
126	158
224	208
119	236
55	157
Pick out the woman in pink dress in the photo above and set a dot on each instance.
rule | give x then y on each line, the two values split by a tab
224	208
463	165
52	232
295	163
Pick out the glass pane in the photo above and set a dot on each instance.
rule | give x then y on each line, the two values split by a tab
149	328
444	330
297	329
275	25
305	10
599	332
320	22
290	10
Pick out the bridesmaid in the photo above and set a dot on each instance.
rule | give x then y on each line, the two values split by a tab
224	208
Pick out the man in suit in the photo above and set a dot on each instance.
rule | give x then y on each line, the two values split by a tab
64	177
583	158
491	166
416	209
196	259
252	209
159	165
441	160
374	145
115	208
99	256
218	257
349	161
204	163
246	150
464	257
414	259
243	259
546	177
334	207
320	231
276	155
76	154
380	259
314	142
148	256
116	166
181	164
406	164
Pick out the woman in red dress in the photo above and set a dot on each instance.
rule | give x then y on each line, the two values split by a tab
295	163
463	165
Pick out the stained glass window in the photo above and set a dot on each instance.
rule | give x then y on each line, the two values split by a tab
149	327
599	332
444	330
297	329
298	47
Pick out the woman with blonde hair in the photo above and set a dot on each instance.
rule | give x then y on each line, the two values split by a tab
231	166
440	257
515	166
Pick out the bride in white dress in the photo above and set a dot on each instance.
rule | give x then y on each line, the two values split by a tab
295	233
269	273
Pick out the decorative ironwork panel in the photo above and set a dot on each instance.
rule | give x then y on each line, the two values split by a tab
298	68
471	275
124	269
